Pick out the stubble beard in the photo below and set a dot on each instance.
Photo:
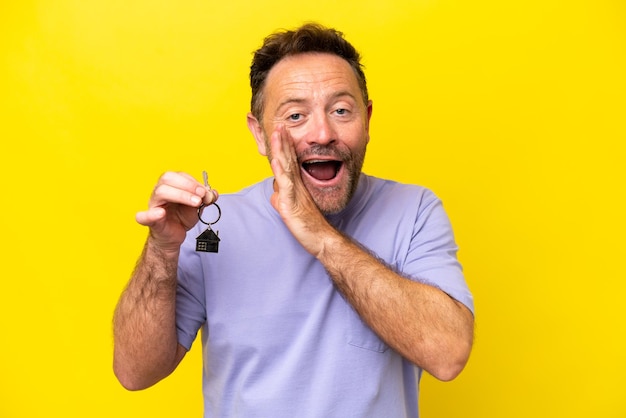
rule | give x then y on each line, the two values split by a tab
332	200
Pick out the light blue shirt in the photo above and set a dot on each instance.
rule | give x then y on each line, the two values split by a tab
278	339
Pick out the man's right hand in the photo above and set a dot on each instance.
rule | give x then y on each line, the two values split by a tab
146	345
173	209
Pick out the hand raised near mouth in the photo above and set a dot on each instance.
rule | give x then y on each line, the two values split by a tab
291	199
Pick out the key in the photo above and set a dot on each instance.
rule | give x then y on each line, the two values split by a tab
208	241
205	176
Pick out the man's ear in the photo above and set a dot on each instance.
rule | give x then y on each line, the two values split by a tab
257	131
370	108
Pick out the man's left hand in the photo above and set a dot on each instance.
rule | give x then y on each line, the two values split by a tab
291	198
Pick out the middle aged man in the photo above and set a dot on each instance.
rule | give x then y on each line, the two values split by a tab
332	290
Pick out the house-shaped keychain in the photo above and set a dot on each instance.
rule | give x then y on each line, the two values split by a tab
208	241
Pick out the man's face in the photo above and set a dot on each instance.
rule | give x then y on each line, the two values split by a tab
318	100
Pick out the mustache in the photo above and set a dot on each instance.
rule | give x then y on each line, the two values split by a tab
325	151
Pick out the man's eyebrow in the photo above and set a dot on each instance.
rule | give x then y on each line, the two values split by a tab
342	93
289	101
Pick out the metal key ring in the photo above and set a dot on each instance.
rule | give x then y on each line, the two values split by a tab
219	214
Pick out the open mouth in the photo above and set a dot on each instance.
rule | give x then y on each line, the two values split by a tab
322	170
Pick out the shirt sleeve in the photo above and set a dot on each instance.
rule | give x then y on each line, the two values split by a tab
432	253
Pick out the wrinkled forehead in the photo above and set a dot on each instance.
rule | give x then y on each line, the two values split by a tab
311	73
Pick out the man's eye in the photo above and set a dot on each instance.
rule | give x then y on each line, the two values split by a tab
295	116
341	111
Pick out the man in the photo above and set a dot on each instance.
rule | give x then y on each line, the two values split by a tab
331	291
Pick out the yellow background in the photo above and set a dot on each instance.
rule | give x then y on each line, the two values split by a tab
512	112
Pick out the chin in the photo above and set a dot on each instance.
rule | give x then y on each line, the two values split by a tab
331	208
332	200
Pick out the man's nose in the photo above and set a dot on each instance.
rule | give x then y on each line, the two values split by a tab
322	132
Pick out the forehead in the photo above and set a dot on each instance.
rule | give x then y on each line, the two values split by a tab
312	74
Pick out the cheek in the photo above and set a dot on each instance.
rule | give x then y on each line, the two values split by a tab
298	138
298	134
356	138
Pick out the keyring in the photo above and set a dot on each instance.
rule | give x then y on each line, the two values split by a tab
208	241
219	214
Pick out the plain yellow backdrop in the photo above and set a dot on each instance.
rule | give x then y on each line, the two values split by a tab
513	112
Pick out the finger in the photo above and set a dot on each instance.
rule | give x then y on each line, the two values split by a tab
178	187
210	197
279	146
289	151
166	193
178	179
279	164
150	217
183	181
288	146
